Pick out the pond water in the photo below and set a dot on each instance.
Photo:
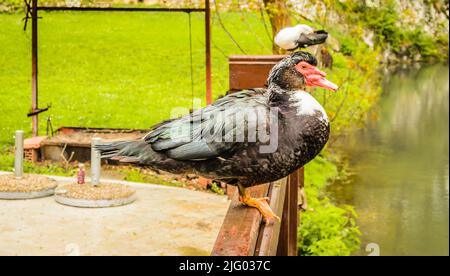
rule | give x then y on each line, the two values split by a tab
401	163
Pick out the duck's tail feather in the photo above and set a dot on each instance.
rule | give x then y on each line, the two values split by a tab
123	151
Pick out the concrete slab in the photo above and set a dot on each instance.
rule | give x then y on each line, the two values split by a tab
26	195
162	221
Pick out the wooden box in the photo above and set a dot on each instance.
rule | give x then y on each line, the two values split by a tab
250	71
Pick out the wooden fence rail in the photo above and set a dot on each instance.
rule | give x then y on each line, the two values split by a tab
243	233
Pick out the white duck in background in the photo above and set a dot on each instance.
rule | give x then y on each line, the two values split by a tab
299	36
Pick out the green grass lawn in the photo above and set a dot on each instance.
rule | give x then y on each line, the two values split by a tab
124	70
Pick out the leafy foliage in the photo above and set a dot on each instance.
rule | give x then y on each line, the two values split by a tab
7	164
325	229
10	5
17	5
136	175
384	21
216	189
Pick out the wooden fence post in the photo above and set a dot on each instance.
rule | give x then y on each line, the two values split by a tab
287	244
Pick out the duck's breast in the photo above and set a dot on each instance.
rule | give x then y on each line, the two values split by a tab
307	128
307	105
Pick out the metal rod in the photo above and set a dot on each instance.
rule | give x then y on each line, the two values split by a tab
95	162
208	51
190	60
18	157
34	67
122	9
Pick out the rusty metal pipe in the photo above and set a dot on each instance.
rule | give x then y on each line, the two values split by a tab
119	9
208	52
34	67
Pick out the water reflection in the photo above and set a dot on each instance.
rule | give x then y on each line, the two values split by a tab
401	187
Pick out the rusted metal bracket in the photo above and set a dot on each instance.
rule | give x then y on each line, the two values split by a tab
28	13
38	110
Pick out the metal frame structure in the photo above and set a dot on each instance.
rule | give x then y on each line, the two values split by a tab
32	12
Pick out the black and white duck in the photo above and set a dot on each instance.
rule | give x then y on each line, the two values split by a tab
246	138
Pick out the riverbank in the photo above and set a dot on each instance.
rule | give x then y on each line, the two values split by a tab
371	40
400	183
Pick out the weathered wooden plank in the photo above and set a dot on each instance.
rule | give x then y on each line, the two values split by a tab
269	233
243	58
301	184
240	228
284	227
293	212
231	190
287	244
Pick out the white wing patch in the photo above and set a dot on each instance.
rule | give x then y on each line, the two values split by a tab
307	105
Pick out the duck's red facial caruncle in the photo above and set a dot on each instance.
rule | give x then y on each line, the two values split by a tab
314	77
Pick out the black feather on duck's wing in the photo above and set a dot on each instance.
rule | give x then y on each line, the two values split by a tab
217	130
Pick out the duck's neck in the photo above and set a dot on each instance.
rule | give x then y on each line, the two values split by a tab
296	99
279	94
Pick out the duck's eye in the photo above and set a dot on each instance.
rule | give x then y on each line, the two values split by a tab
302	66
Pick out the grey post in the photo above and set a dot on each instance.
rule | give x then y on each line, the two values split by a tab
18	158
95	162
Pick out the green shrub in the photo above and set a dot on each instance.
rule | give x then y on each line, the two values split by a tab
384	22
325	229
427	46
348	46
17	5
216	189
329	231
7	164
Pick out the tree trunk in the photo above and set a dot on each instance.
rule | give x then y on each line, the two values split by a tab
279	18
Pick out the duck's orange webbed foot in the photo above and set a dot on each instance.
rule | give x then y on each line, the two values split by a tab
262	204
